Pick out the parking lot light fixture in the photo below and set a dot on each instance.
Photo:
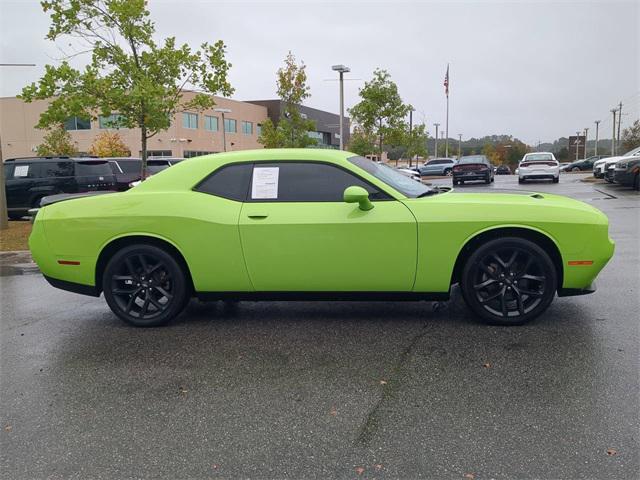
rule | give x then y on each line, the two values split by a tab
341	69
222	111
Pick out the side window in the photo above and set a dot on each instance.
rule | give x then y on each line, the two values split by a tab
8	171
304	182
130	166
231	181
52	169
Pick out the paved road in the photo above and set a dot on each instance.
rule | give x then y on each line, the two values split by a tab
319	390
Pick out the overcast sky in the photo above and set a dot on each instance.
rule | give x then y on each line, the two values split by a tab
535	70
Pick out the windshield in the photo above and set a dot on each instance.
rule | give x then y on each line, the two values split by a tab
534	157
86	169
632	153
473	159
403	184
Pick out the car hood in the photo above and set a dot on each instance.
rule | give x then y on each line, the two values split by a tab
499	199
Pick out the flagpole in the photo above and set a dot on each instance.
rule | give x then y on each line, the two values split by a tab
446	142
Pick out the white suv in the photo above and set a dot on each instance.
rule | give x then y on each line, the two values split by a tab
539	166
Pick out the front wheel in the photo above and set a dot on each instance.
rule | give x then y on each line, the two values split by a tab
508	281
145	286
448	172
575	169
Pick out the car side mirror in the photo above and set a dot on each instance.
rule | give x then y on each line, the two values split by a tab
359	195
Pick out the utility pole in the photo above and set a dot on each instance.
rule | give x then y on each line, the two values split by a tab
410	131
619	122
597	122
577	144
613	135
342	70
459	145
435	155
586	133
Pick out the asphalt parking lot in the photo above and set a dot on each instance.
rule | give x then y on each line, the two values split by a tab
329	389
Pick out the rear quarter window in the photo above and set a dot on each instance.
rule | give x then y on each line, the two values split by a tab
92	168
229	181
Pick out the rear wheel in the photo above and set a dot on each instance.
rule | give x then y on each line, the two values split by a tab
508	281
455	182
556	179
575	169
520	180
145	286
448	172
636	182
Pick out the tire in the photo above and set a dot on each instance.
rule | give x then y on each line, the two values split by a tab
487	181
15	216
493	179
448	172
636	182
508	281
521	180
575	169
147	270
556	179
455	182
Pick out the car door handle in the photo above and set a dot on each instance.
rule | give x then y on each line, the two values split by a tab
257	217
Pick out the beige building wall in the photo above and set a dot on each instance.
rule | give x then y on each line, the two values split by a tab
19	137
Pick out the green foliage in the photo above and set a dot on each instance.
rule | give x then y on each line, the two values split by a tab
381	111
57	142
631	136
415	142
292	129
130	73
362	143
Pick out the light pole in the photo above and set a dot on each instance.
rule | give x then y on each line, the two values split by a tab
435	155
224	130
459	145
613	135
597	122
586	133
341	69
577	144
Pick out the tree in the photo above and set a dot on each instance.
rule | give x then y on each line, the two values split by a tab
292	128
381	111
109	144
415	142
362	143
631	136
57	143
130	73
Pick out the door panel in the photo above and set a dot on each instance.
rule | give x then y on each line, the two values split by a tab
329	246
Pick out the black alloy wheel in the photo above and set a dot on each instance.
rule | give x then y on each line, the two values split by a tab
509	281
145	286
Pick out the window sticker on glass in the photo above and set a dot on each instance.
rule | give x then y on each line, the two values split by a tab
265	182
21	171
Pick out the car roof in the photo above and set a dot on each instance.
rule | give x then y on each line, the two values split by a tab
185	175
59	159
538	153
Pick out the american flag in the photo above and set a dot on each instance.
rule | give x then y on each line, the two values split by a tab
446	82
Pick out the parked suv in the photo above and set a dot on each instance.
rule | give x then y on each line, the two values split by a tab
437	166
127	170
28	180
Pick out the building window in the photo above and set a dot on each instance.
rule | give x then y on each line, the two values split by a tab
258	129
77	123
190	120
211	123
230	125
247	128
112	121
158	153
195	153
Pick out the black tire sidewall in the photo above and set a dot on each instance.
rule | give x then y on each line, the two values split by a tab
180	293
466	280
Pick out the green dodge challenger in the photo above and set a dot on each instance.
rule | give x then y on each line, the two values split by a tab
316	224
